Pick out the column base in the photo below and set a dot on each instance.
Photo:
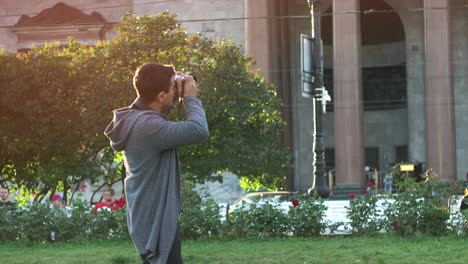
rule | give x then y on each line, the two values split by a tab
341	192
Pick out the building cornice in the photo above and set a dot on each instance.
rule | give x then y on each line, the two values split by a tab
59	23
46	33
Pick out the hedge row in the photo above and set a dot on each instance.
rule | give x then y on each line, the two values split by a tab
410	212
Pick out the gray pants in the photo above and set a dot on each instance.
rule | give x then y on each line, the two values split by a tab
175	256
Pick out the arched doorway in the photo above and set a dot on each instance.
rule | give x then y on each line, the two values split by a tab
384	84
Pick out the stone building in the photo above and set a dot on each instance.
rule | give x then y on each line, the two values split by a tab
396	70
398	75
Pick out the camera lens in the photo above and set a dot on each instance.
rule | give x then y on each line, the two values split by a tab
183	79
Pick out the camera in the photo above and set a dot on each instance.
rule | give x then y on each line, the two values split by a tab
183	78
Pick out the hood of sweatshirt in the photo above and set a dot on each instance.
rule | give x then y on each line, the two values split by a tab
119	129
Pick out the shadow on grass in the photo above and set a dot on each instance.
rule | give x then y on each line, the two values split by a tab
121	260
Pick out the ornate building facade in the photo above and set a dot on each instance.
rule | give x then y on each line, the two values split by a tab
398	75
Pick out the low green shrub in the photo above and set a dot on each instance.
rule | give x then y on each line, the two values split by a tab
42	222
418	206
307	217
200	216
8	228
434	221
35	221
105	224
259	220
364	215
415	209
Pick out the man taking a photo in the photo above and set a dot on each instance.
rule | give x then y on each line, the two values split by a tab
149	141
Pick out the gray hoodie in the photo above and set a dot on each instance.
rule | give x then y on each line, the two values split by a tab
148	143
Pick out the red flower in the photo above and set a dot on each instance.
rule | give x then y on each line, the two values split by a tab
370	184
33	193
351	196
83	187
363	191
395	225
295	202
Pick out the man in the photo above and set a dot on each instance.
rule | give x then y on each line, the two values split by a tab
5	197
148	141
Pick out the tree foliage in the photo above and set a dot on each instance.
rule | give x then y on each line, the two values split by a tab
56	102
44	142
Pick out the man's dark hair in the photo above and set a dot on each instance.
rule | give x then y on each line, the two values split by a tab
150	79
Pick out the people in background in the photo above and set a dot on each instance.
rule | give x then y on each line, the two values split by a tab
109	201
388	183
5	197
59	204
57	200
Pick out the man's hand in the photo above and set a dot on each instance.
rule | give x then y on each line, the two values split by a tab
190	86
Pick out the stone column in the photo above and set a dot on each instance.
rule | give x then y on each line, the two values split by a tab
460	79
414	34
282	80
258	35
348	108
266	40
440	125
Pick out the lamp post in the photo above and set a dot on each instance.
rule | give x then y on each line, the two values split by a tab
319	182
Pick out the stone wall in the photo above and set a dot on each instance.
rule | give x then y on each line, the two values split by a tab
460	74
216	19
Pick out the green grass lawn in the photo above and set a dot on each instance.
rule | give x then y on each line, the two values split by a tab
340	249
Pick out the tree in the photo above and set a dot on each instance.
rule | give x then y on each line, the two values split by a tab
43	143
242	109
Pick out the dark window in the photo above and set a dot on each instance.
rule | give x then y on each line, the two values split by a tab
401	154
372	157
384	87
